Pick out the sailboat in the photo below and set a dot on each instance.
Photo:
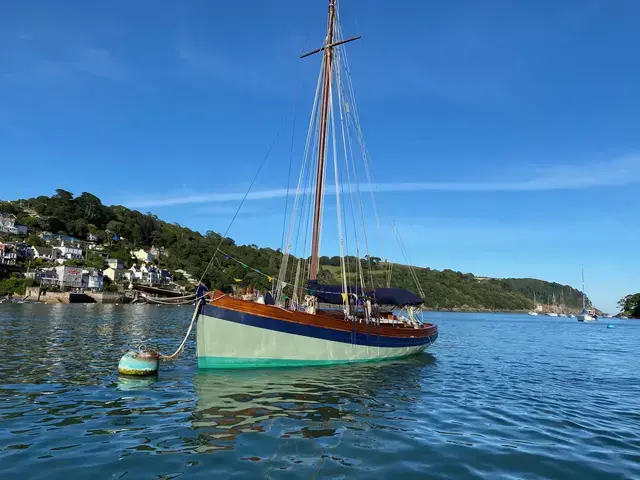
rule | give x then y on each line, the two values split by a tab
585	316
533	312
554	313
302	321
562	314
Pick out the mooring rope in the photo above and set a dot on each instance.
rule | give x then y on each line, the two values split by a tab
184	340
193	321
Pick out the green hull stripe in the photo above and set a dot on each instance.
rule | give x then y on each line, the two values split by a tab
233	362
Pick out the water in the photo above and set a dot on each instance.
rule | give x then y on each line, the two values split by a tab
499	396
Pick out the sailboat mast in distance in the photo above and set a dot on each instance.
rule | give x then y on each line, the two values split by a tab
584	309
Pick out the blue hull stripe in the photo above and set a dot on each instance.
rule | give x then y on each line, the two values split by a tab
313	331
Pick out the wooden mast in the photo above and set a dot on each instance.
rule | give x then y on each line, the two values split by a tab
327	50
324	111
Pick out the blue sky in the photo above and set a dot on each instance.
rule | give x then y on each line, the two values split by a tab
504	135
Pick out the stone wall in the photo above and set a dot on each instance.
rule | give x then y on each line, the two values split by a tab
36	294
106	297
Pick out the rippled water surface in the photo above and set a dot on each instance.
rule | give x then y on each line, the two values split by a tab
498	396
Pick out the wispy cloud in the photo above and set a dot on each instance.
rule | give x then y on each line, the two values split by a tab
198	62
618	172
35	59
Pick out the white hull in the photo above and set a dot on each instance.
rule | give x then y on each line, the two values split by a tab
533	314
551	314
586	318
227	344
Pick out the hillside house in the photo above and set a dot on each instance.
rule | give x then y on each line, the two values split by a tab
9	225
93	280
142	255
52	237
164	277
150	275
47	254
115	263
71	278
115	274
188	277
134	274
69	251
8	254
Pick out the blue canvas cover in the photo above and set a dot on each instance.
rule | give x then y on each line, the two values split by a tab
384	296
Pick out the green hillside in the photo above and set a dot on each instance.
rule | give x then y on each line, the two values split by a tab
121	229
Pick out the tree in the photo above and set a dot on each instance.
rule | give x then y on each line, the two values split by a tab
35	241
630	305
6	207
63	194
56	225
114	227
94	261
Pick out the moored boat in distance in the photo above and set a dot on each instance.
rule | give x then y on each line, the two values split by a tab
586	315
301	321
534	312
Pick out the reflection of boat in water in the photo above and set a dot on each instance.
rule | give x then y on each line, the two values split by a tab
314	403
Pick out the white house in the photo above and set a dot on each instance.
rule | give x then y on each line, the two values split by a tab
8	224
150	275
134	274
8	254
69	251
47	254
142	255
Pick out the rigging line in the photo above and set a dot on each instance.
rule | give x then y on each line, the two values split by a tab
343	59
306	204
293	134
305	161
411	269
341	109
253	181
338	208
307	211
